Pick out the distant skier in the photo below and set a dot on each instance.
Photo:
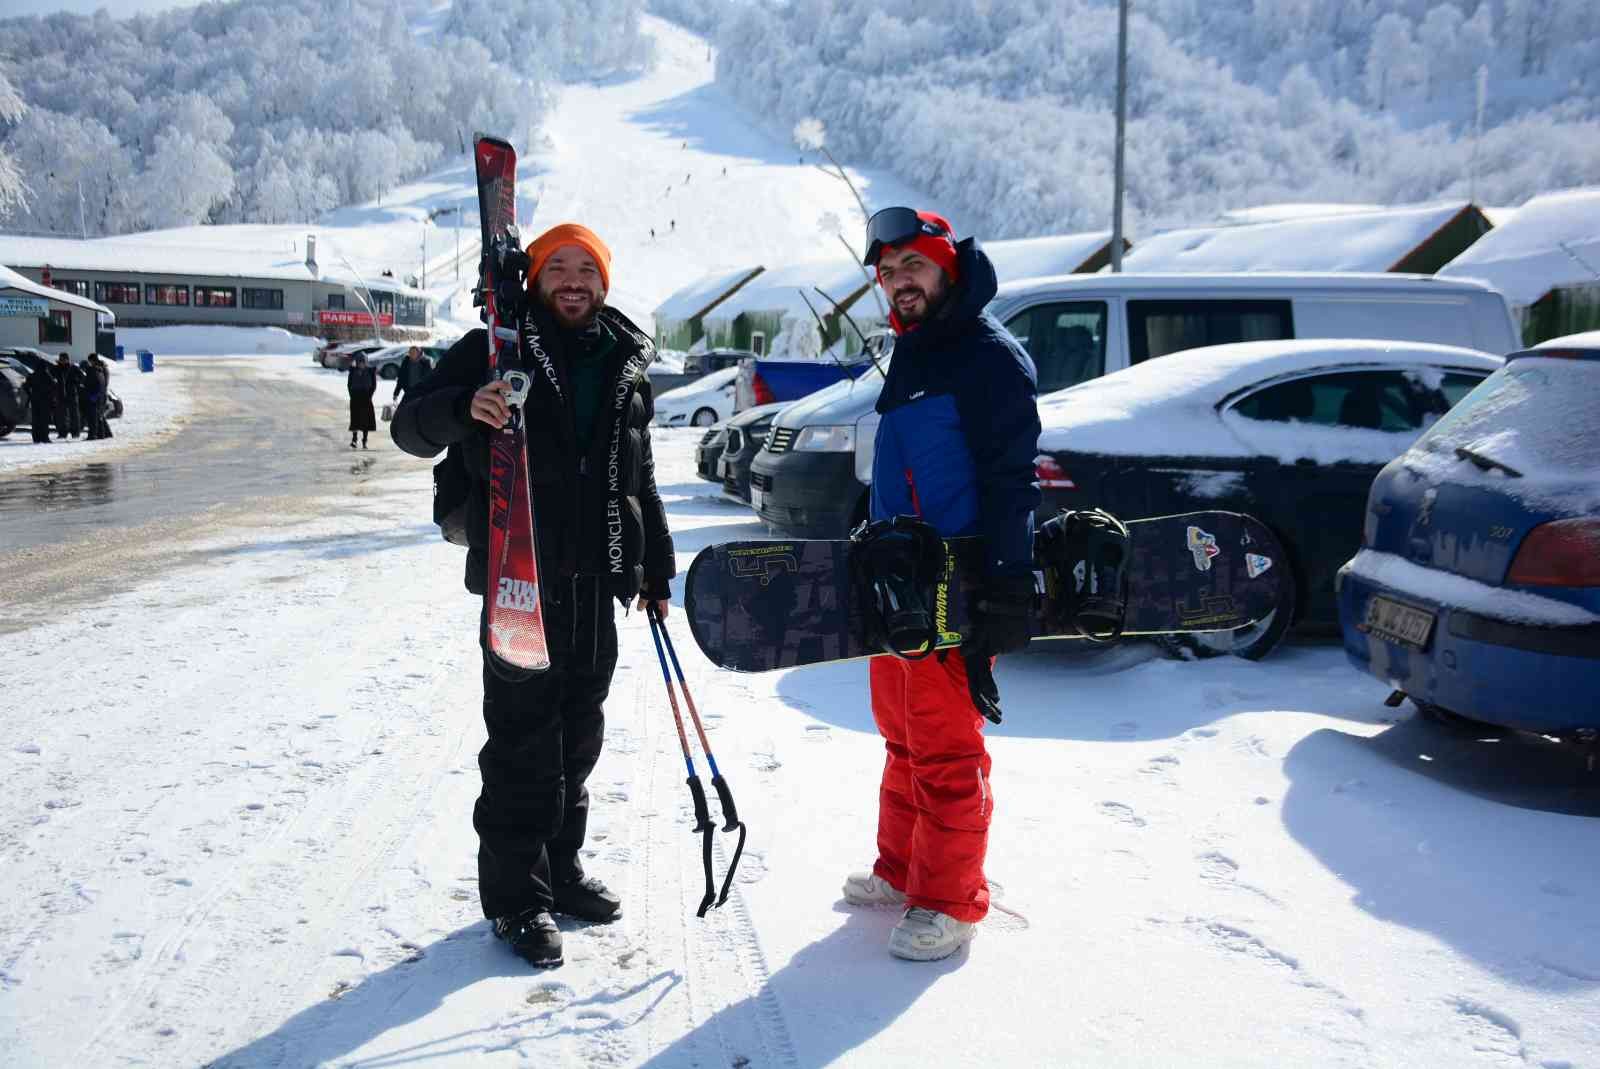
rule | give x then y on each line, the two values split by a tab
955	446
674	226
601	533
361	382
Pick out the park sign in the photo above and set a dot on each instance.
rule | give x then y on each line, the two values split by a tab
34	307
335	318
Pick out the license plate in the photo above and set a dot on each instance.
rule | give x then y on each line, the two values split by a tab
1400	623
756	497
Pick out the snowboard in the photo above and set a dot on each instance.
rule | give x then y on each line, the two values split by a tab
761	605
514	613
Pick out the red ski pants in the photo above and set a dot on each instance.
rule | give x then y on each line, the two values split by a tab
934	805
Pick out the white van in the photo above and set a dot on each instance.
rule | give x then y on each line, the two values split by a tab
1079	327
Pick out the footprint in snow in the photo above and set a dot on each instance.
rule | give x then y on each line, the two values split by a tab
1122	813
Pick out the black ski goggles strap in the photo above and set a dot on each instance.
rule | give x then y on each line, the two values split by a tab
894	226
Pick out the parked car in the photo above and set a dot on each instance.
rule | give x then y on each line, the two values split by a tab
743	438
1476	591
1079	327
706	400
1291	432
709	360
708	454
386	362
338	357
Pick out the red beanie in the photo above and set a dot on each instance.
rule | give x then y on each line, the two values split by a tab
940	249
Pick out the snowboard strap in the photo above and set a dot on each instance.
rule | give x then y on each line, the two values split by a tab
1085	556
897	562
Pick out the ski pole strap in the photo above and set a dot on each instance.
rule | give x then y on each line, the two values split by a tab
704	827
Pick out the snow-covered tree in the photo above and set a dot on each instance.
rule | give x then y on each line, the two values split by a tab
13	191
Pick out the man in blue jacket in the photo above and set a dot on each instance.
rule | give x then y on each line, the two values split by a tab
956	447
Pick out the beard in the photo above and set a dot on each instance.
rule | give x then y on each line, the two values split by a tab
570	313
922	308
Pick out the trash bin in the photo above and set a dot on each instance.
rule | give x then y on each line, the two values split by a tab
147	360
119	355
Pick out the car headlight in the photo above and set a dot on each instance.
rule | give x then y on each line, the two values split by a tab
866	443
827	439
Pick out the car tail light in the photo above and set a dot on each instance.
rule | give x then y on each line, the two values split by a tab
1051	475
1559	553
763	392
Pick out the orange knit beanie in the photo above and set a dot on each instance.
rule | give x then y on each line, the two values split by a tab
545	245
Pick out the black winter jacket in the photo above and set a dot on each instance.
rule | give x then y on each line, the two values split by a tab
578	533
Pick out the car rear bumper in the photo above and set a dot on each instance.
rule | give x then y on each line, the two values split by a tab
804	494
1481	667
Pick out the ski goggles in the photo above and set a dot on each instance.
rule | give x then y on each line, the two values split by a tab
895	226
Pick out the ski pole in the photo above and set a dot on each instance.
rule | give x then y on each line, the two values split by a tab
730	815
703	824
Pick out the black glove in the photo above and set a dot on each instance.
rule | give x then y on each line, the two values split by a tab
1002	616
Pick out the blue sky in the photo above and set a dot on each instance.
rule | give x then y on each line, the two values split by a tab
120	8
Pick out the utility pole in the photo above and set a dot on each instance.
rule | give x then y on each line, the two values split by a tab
1477	131
424	272
83	228
1119	180
458	241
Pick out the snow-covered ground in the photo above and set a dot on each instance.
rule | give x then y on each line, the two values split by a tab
235	815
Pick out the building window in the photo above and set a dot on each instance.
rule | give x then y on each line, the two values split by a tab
166	294
214	297
56	328
80	286
382	303
263	298
116	292
411	311
336	301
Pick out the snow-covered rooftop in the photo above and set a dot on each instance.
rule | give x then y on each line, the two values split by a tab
1552	240
1373	240
778	289
1057	254
1166	406
1279	213
10	280
694	298
241	251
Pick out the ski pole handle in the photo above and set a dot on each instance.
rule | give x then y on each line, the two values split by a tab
730	815
702	812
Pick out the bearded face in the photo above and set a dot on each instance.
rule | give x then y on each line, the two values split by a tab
569	285
914	284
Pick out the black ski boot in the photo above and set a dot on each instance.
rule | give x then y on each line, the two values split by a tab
533	936
588	900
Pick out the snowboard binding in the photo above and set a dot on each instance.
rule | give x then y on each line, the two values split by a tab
898	563
1085	555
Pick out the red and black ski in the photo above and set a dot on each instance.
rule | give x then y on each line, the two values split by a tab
515	612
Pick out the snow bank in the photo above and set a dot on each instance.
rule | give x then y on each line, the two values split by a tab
1349	241
1459	592
1552	240
214	341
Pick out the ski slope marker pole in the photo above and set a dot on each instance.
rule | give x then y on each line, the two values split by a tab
703	824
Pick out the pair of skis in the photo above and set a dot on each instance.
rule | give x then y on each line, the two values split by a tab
515	614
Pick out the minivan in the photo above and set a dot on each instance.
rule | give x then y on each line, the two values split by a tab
811	479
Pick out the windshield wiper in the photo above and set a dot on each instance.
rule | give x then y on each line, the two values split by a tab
1486	463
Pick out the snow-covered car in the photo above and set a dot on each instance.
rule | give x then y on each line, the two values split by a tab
706	400
1476	591
338	357
1291	432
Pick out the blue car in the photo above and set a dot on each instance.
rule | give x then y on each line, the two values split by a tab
1477	588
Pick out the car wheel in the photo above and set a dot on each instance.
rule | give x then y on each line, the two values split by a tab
1252	643
389	371
704	417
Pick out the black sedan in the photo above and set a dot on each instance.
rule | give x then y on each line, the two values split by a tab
1291	432
742	439
708	454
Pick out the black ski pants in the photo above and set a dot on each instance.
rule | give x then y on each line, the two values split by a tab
545	734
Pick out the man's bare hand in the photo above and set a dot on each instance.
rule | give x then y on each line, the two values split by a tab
489	405
663	607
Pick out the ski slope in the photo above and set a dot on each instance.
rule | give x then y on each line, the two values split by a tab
235	819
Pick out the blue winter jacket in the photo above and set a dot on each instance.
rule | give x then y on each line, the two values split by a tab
960	428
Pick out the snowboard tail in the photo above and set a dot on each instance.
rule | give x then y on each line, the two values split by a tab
514	610
761	605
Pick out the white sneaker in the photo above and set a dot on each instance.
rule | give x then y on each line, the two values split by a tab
928	935
868	889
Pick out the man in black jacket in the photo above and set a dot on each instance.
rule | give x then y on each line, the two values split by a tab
413	369
601	534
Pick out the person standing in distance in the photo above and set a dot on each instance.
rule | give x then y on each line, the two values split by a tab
602	539
413	369
955	447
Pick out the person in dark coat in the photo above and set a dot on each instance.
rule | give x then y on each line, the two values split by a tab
601	535
955	446
413	369
362	382
42	388
70	380
97	396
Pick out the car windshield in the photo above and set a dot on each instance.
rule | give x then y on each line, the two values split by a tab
1530	415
